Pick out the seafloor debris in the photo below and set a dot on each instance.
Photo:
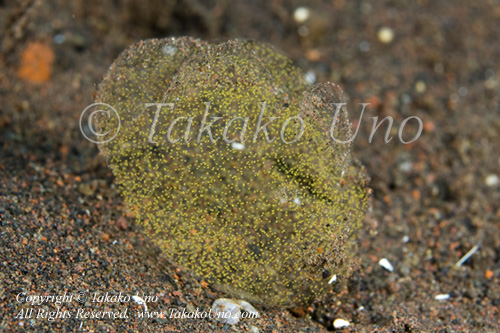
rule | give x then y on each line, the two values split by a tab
386	264
340	323
229	311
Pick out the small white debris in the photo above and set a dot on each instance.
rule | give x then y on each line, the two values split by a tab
385	35
254	329
467	256
237	146
297	201
442	297
340	323
406	239
361	308
364	46
114	242
140	301
386	264
301	14
310	77
248	308
232	310
420	86
333	279
406	166
491	180
169	50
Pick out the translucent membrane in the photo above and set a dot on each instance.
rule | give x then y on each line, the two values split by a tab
266	221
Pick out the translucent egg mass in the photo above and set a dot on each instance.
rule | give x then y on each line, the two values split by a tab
226	157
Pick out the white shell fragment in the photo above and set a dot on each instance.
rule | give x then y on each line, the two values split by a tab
340	323
310	77
140	301
420	86
254	329
385	35
301	14
386	264
333	279
467	256
237	146
230	310
491	180
442	297
248	308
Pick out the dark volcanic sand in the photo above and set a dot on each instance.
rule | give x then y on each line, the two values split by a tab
64	227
